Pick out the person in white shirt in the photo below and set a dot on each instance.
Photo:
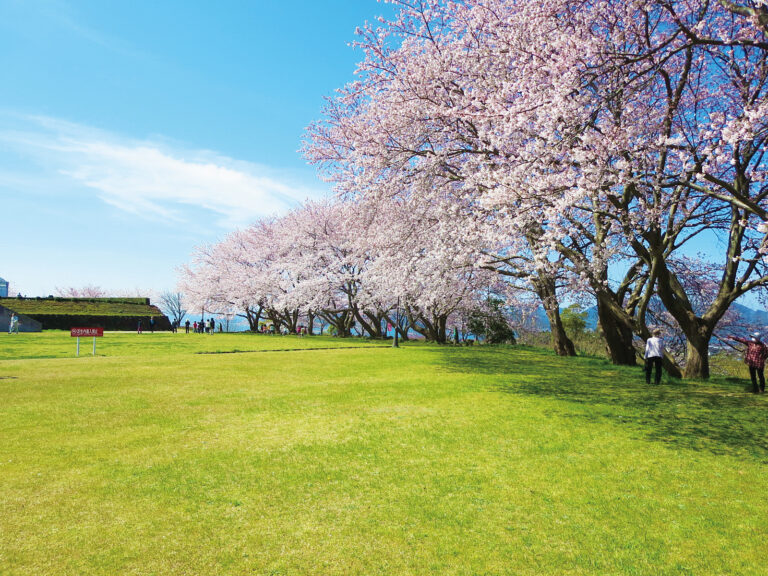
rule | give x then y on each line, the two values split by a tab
654	351
13	328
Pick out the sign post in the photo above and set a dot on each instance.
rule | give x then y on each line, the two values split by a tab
86	333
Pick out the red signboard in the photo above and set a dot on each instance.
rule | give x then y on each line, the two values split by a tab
87	332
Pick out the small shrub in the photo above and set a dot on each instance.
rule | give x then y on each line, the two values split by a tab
492	323
574	321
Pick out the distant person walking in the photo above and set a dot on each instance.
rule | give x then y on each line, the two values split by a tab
13	326
186	325
152	324
138	330
755	357
654	351
211	326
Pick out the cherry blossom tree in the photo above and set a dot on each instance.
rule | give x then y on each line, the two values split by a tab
398	129
317	252
87	291
604	131
237	275
427	262
678	104
349	263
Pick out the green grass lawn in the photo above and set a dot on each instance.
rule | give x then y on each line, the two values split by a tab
316	459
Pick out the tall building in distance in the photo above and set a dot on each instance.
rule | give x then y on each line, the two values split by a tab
3	288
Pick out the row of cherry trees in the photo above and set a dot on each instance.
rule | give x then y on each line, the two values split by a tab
345	263
588	142
526	147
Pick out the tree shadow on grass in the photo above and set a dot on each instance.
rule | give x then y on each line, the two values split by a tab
719	416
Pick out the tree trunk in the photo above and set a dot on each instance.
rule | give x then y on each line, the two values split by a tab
291	320
404	329
370	323
618	336
697	329
347	322
562	345
697	360
339	320
445	331
546	291
699	335
401	328
311	324
253	316
670	366
424	327
442	322
253	322
274	318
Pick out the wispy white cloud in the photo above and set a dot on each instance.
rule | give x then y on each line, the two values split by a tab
154	178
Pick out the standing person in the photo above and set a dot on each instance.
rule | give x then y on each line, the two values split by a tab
138	330
654	351
194	327
13	327
211	326
755	357
152	324
186	325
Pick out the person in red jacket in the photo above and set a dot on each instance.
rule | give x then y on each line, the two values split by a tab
755	357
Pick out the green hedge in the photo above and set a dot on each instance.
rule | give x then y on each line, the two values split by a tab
67	321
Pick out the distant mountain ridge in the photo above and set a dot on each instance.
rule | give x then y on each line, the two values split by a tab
749	315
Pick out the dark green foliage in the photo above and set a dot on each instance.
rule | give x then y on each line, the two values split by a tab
108	313
492	323
574	321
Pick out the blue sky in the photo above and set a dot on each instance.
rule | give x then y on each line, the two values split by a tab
132	131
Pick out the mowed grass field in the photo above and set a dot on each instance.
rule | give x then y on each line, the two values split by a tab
321	456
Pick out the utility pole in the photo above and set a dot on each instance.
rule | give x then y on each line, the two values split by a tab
395	342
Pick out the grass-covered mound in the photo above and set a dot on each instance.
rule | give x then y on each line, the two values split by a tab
153	459
108	313
80	306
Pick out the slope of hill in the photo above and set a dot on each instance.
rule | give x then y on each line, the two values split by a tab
748	316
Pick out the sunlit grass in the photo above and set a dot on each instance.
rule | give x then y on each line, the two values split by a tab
153	459
59	344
